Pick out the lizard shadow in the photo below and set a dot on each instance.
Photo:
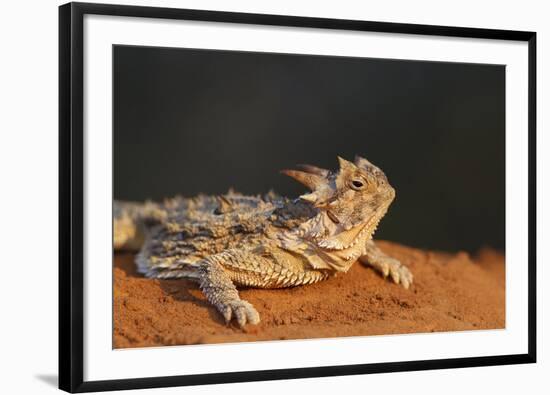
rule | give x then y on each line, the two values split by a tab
126	262
181	290
184	291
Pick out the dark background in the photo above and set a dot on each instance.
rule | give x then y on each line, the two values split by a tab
189	121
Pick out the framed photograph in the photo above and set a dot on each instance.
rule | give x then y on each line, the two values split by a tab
222	176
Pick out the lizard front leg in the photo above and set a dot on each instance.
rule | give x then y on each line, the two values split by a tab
218	288
386	265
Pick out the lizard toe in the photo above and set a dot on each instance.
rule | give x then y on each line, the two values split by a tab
243	312
400	274
227	314
385	269
252	316
240	315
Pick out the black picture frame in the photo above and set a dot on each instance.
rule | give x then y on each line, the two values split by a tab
71	205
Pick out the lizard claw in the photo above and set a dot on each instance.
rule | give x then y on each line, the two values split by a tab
399	273
242	311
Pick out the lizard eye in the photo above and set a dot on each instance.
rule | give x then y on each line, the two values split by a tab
357	184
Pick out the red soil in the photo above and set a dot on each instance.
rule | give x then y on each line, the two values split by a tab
451	292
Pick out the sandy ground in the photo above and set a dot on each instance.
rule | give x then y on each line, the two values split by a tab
451	292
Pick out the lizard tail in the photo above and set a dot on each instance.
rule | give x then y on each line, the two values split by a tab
165	269
131	223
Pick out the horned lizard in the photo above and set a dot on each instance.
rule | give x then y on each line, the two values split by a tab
232	240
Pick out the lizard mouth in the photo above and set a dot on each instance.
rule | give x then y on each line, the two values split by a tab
333	217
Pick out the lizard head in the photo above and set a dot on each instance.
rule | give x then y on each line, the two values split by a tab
353	198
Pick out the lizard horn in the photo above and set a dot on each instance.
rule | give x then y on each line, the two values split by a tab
312	181
345	164
363	163
313	170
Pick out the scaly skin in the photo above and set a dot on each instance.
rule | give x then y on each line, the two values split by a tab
232	240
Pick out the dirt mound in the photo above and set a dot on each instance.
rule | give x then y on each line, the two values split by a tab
451	292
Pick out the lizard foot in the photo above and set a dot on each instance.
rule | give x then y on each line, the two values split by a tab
242	311
399	273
